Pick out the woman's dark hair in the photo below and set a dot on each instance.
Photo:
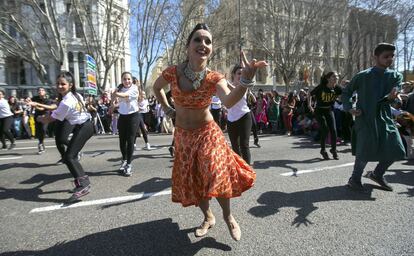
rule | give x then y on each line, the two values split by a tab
234	70
71	80
121	85
197	27
324	78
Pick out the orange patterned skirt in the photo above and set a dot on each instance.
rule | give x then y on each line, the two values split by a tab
205	166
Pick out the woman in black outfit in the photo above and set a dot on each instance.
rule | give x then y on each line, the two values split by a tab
325	95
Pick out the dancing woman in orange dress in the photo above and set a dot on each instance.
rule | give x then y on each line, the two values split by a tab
204	164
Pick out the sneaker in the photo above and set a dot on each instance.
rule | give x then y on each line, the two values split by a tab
356	186
41	148
256	142
380	181
78	193
122	167
171	149
334	154
324	155
4	146
80	154
147	146
128	170
83	187
60	162
12	146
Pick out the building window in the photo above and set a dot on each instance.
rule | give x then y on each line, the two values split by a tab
42	6
78	28
70	61
68	7
82	75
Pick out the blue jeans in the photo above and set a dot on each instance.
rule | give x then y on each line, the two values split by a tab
379	171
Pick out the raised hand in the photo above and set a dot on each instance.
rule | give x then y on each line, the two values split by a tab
250	68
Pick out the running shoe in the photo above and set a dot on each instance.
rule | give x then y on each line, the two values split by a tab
12	146
128	170
41	148
147	146
122	167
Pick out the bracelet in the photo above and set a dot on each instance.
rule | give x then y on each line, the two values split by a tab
246	82
170	112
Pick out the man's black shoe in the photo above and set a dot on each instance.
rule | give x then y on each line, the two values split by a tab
324	155
380	181
256	142
356	186
334	154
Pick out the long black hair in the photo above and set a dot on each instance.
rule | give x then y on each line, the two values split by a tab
197	27
324	78
234	70
71	80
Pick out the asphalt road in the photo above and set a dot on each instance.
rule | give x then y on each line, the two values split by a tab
298	206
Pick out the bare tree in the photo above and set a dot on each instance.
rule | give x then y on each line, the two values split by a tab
31	30
106	41
150	30
291	33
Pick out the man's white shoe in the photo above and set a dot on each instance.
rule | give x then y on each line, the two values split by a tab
148	146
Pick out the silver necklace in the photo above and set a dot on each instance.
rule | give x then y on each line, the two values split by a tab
195	77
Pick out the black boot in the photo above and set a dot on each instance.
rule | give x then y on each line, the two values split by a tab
334	154
324	154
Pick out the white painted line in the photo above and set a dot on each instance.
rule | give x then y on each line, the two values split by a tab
24	148
316	169
10	158
100	201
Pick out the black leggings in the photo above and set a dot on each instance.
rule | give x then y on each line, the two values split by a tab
5	125
40	131
142	130
254	126
326	120
127	129
81	134
62	131
239	133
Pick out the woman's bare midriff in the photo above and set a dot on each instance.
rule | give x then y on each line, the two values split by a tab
192	118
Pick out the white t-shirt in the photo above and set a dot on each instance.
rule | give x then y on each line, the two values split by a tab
129	105
71	109
143	106
238	110
5	109
215	102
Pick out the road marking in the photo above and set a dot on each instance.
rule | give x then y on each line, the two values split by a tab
100	201
316	169
10	158
24	148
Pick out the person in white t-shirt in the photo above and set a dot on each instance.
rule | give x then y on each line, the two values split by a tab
143	109
239	121
127	95
72	109
6	121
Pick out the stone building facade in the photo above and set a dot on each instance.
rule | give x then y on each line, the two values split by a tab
16	72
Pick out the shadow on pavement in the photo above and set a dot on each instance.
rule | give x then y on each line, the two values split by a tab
405	177
285	163
24	165
272	201
160	237
34	194
150	186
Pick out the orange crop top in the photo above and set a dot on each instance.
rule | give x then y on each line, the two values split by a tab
197	99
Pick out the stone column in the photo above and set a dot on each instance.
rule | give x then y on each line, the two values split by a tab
2	68
76	69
